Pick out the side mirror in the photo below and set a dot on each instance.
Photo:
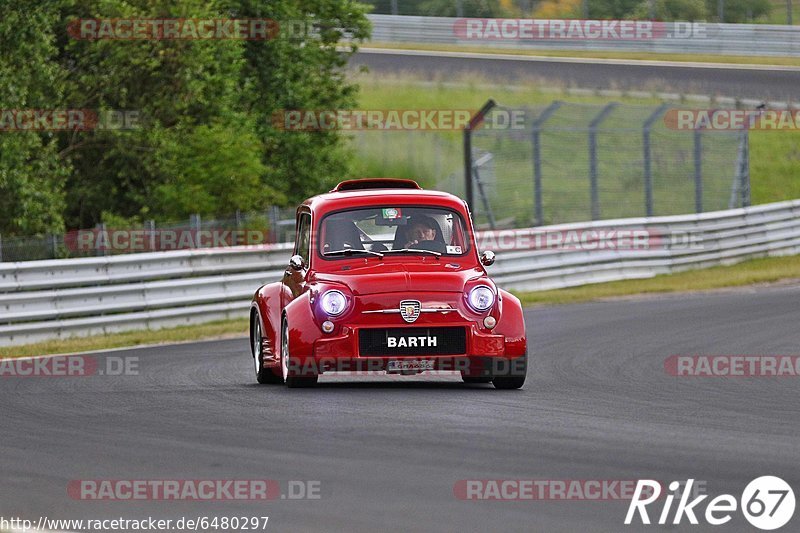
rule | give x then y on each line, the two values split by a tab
487	258
296	263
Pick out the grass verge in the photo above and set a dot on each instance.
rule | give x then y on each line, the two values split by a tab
782	61
754	271
211	330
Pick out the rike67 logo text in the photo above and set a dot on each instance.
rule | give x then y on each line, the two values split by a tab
767	503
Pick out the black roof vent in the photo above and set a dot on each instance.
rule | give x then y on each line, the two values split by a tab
376	183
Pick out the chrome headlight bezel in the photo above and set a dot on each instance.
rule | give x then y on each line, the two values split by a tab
481	298
333	302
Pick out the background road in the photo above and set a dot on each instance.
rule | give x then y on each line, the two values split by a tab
769	84
597	405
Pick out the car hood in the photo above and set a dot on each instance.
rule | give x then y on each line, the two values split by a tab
388	278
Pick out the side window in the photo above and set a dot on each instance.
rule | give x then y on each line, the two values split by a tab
303	242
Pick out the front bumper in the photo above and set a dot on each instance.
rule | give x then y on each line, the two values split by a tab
341	353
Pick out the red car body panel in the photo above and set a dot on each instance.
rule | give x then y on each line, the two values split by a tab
372	284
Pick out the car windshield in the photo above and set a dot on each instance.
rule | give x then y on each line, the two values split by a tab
392	229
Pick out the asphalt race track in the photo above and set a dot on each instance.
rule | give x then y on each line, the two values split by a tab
387	452
763	83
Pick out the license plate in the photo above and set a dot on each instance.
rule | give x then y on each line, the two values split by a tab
412	342
400	365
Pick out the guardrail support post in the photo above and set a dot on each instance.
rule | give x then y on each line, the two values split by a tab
648	173
536	129
698	171
595	194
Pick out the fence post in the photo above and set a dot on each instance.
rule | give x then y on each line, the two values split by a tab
1	247
698	171
745	185
274	216
536	129
593	157
648	173
437	151
150	228
468	166
194	226
486	207
473	122
410	148
101	242
53	246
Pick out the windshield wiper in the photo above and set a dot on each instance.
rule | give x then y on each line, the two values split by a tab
437	254
350	251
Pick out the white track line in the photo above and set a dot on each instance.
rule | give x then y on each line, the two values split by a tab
578	60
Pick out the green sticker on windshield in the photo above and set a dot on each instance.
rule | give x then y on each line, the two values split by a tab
391	213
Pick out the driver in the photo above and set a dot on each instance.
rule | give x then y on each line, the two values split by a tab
421	228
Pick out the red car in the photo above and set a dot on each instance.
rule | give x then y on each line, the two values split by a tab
386	277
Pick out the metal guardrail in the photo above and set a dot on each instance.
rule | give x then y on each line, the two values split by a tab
705	38
42	300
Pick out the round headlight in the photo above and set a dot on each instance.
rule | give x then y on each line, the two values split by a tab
481	298
333	303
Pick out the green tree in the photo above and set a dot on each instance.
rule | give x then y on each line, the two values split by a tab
740	10
470	8
302	70
611	9
31	172
671	10
205	142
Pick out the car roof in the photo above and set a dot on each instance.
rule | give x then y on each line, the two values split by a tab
366	193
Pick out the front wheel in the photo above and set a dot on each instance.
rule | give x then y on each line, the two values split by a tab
474	379
288	366
514	376
508	382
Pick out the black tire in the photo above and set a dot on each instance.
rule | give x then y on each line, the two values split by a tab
474	379
265	376
293	382
508	382
514	378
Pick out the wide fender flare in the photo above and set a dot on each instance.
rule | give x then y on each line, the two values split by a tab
303	329
512	325
266	306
